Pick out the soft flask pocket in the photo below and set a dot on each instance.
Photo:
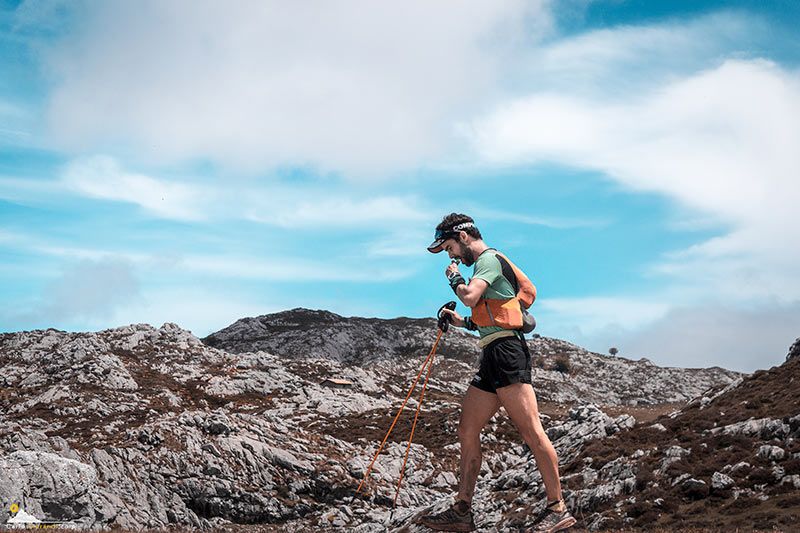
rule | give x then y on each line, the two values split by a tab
528	322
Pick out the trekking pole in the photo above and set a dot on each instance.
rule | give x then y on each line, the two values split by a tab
399	412
413	427
444	321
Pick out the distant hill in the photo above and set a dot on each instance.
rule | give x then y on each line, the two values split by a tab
590	377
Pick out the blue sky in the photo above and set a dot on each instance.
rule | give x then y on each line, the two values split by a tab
197	162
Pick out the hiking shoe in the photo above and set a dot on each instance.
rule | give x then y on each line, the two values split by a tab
457	518
553	521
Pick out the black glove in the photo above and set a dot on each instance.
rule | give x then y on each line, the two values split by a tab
445	319
455	280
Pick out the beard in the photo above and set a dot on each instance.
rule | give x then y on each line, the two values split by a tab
467	257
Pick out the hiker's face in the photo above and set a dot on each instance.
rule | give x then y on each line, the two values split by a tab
457	249
467	257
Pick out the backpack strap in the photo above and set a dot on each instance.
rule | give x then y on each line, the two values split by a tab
508	272
505	268
511	276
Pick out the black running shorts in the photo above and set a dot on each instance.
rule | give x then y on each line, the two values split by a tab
504	362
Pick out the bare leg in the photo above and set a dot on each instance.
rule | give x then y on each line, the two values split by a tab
519	401
477	408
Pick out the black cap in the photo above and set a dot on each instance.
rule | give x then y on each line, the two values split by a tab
448	233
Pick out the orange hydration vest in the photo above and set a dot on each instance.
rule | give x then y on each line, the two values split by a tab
506	313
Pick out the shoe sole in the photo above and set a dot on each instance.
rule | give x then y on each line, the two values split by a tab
449	527
561	526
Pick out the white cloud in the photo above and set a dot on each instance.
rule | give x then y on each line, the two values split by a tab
742	339
107	291
403	242
661	110
344	89
14	136
100	288
590	315
316	209
722	142
197	309
32	242
658	109
615	63
410	239
357	87
326	206
84	291
27	190
292	269
225	266
102	177
547	221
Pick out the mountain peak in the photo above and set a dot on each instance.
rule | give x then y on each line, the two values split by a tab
794	350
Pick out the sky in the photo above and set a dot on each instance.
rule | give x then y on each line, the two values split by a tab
198	162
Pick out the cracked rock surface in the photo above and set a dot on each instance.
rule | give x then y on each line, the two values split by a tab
143	427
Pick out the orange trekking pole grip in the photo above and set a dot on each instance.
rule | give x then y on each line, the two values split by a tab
402	407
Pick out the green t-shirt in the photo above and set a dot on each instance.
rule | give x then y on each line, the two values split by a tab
488	268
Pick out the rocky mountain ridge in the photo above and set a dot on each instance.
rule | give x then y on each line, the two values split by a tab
362	342
148	427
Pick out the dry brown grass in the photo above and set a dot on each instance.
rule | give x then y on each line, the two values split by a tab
770	393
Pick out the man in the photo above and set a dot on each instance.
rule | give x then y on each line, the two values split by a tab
504	377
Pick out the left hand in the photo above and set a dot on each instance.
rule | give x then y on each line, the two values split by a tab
458	320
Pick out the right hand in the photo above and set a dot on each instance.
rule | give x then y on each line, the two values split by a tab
451	270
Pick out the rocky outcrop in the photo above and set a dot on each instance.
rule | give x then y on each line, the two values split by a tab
736	457
609	380
369	342
148	427
63	488
794	350
142	427
303	333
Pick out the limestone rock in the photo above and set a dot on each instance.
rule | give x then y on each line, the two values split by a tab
771	453
720	481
